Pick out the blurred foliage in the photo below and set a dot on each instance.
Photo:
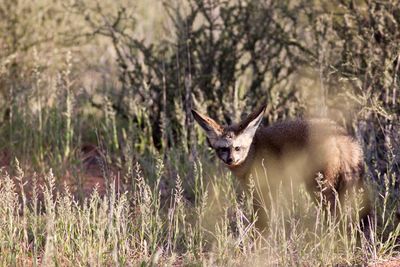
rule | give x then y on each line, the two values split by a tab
227	56
358	47
26	25
147	67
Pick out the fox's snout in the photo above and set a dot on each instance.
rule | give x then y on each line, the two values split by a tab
229	161
226	156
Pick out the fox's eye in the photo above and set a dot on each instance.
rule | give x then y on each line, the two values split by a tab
237	148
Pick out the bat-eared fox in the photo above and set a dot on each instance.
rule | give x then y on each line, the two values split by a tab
288	153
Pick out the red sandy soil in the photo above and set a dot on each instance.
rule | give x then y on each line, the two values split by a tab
90	174
388	263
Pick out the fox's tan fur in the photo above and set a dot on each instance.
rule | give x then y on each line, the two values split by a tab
285	153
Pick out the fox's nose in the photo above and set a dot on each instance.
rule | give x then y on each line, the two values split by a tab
229	161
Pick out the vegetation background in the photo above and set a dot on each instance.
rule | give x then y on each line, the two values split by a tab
101	162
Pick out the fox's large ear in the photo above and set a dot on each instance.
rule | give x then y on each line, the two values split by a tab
249	126
211	127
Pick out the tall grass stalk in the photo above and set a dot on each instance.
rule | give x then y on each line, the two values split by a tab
69	131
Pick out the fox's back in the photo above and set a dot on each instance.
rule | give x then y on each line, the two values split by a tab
300	149
297	134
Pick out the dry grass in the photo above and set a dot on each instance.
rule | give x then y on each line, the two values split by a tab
46	226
